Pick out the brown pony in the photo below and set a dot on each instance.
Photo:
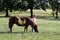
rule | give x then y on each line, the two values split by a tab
14	20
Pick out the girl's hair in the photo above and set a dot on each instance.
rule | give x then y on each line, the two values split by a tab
34	16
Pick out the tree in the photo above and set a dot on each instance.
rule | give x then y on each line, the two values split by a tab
1	8
43	4
22	5
8	5
13	5
5	5
30	6
36	4
55	7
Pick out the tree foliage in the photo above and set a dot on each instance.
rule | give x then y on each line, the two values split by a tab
24	5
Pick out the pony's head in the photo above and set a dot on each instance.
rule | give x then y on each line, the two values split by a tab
35	28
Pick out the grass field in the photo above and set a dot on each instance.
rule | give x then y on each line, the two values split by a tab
49	29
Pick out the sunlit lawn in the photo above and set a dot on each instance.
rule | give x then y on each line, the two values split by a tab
49	29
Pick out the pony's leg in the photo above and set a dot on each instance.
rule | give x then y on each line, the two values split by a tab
35	28
26	29
10	26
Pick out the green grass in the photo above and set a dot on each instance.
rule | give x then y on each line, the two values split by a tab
49	27
48	30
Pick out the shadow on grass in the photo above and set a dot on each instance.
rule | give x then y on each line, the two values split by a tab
48	18
15	32
4	17
11	32
40	17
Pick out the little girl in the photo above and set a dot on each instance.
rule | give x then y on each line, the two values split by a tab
34	20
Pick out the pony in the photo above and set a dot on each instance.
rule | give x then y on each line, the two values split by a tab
26	21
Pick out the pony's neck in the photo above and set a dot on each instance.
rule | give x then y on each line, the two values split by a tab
30	22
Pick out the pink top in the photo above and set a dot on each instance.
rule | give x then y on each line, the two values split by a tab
34	20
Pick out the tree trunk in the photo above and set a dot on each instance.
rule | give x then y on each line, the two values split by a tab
31	11
7	15
57	13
